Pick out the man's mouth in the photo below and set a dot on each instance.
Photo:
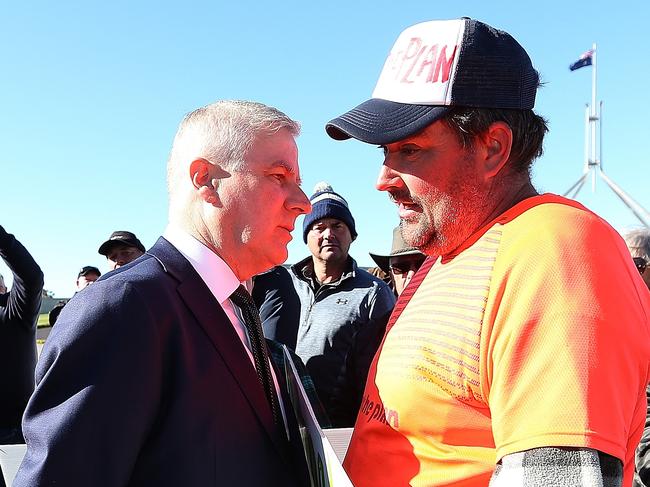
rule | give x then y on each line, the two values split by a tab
404	201
406	208
330	246
407	211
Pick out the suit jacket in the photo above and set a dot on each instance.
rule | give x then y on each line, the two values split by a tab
144	382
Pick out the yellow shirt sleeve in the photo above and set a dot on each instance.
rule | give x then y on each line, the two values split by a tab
561	317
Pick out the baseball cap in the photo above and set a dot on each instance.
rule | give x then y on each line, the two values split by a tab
120	237
87	270
434	66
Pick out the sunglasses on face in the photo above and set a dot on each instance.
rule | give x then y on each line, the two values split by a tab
640	264
404	266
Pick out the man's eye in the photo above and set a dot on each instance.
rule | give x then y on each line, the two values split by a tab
408	151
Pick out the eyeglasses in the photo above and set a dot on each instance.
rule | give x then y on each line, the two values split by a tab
404	266
640	264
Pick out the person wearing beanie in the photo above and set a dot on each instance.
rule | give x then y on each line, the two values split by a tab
333	313
325	203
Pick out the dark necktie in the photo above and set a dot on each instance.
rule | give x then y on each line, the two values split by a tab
251	316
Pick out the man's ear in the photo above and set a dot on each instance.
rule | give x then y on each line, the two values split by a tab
498	144
205	177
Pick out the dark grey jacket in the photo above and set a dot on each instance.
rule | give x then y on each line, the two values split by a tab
335	329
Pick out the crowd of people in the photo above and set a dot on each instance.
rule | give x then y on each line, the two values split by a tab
502	340
121	248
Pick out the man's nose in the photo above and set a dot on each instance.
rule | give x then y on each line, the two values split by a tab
328	234
299	202
388	178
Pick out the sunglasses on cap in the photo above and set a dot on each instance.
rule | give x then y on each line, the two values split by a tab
640	264
404	266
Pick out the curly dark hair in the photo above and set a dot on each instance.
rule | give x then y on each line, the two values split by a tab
528	130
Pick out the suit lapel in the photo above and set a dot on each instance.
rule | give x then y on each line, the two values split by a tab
219	330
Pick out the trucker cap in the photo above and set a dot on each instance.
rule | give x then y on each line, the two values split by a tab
434	66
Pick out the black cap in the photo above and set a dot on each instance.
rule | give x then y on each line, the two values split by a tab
88	269
434	66
120	237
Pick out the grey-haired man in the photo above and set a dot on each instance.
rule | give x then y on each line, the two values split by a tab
157	375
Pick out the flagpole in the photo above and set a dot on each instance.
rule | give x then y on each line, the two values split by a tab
594	145
593	80
587	127
600	134
594	117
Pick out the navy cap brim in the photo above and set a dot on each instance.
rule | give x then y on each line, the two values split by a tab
378	121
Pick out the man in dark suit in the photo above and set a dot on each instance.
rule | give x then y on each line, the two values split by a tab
150	377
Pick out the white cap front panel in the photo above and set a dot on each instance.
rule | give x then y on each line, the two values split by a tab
422	64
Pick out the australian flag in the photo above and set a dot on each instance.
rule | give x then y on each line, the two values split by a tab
585	60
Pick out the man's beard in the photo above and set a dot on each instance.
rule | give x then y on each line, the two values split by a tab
445	221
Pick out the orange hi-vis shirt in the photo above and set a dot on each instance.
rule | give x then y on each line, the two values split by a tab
534	334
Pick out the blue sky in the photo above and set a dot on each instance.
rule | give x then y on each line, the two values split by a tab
91	94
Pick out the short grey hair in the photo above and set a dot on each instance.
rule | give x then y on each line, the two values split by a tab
224	132
638	241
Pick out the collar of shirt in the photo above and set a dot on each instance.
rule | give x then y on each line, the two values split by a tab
305	270
216	274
